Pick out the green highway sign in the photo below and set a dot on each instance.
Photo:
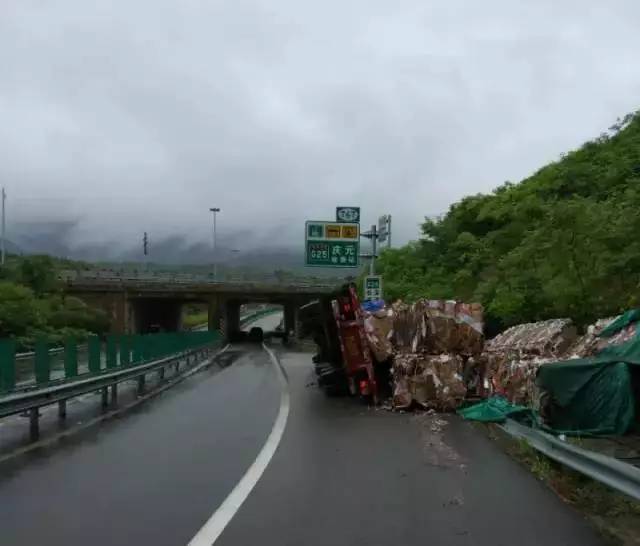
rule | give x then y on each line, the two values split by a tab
332	244
333	253
373	287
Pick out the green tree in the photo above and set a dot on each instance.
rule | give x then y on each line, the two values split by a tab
561	243
39	274
19	311
75	314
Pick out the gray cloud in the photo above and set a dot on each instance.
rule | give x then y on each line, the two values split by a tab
121	117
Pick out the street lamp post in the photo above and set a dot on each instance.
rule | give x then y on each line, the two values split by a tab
214	210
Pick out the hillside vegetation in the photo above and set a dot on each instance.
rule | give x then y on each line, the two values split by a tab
562	243
32	305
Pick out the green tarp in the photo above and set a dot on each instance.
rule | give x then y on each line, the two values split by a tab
621	322
592	396
496	410
586	396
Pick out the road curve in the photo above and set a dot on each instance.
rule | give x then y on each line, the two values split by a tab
343	474
155	475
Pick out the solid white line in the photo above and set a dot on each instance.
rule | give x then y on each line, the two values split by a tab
213	528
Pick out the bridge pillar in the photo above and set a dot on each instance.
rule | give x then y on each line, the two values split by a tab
232	318
121	313
291	319
116	305
216	315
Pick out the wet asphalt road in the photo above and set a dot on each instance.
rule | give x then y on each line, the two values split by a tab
153	476
347	475
342	475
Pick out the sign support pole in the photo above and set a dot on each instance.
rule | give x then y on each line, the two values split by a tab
389	231
374	247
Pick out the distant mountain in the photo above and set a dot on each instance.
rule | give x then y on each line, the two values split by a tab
176	252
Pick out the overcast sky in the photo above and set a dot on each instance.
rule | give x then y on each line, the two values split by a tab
125	116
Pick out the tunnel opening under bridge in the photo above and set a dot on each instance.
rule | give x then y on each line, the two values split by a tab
157	315
268	316
140	312
243	316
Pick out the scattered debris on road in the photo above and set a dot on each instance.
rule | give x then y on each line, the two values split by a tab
436	451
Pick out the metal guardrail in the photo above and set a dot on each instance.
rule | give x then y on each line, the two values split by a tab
259	314
36	398
32	398
620	476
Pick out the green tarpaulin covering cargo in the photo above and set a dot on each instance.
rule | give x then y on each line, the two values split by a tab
582	396
498	409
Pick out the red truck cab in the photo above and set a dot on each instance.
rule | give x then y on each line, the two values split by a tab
356	357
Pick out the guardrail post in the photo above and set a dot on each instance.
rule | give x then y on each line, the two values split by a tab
34	425
62	409
141	385
114	394
105	397
161	374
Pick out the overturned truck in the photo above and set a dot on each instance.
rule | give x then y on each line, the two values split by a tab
344	363
423	354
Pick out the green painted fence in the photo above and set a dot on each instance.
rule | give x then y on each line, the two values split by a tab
113	353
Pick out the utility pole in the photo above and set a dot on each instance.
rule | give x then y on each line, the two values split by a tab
215	210
4	228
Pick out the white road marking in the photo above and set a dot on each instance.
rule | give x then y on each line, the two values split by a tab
213	528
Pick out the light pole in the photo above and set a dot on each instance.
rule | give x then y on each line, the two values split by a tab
214	210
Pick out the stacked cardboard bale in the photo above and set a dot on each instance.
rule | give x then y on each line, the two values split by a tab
587	345
378	327
433	341
511	359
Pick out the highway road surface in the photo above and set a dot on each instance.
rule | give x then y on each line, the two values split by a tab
340	474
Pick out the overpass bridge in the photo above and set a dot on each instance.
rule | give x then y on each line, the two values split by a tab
136	303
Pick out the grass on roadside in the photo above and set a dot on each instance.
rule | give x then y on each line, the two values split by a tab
196	319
